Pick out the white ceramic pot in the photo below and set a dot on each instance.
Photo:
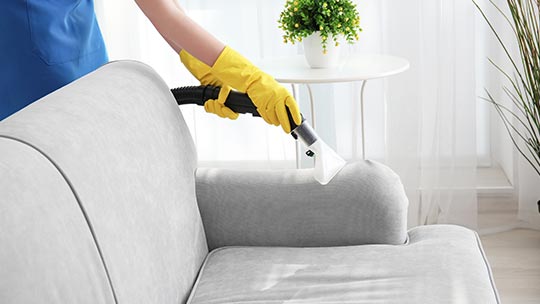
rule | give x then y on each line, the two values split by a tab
315	56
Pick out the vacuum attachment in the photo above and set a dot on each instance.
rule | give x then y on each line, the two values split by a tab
327	162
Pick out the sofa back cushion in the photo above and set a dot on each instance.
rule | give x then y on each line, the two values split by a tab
47	253
119	139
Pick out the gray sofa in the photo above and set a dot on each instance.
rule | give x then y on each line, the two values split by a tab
101	202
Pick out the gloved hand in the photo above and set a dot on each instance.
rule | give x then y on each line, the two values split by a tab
271	99
201	71
217	106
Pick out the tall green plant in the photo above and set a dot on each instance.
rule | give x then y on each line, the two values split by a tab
522	125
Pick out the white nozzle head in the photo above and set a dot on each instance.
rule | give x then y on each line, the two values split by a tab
327	162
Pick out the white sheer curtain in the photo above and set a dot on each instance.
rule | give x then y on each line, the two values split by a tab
431	138
420	123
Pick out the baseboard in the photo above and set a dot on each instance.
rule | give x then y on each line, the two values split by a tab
531	219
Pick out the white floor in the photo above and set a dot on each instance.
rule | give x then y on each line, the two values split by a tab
515	260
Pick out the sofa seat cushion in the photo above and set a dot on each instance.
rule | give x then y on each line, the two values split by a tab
439	264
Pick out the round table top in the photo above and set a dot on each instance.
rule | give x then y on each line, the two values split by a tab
356	67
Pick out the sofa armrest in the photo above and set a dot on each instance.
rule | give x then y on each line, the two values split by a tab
364	204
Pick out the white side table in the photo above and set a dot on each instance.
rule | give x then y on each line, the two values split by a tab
357	67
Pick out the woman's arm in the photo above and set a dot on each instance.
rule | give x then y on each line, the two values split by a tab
180	31
223	64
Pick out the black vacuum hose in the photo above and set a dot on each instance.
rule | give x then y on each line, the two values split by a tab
238	102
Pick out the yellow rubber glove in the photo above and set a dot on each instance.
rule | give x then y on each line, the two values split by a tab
201	71
270	98
217	106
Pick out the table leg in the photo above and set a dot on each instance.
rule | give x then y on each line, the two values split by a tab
362	117
312	106
296	95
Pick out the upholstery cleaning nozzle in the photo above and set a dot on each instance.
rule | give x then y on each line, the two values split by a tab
327	162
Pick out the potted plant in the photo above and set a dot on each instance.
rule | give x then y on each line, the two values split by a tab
320	24
523	120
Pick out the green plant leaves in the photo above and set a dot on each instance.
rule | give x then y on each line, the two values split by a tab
301	18
525	85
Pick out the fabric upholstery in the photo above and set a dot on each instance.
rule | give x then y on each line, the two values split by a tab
47	253
440	264
119	138
364	204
